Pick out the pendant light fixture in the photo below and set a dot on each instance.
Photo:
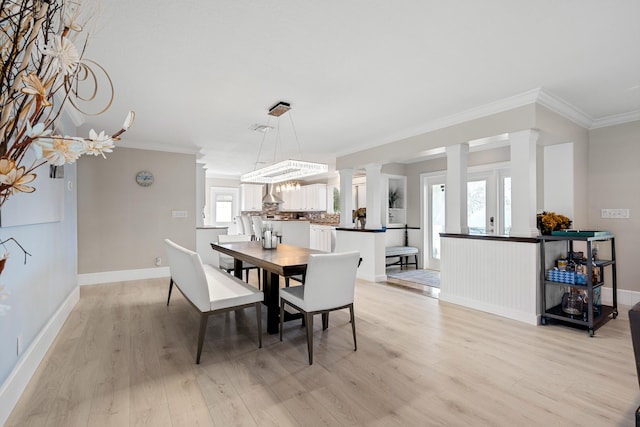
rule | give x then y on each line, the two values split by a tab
285	170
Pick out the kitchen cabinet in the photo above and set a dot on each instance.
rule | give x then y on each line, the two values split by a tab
585	308
315	197
321	237
251	197
293	232
307	198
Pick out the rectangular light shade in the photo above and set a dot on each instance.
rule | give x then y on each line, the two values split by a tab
284	171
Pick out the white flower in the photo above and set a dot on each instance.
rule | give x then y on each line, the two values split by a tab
37	131
15	177
34	86
70	17
64	150
129	120
99	144
40	138
64	55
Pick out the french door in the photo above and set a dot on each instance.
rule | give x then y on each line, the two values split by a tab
433	219
488	207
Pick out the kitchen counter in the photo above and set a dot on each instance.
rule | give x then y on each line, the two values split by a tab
294	232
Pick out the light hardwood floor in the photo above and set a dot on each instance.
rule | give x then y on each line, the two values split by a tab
124	358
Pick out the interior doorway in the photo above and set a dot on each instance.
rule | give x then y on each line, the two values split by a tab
433	218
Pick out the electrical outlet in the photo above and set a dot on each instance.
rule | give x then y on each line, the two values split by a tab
178	214
615	213
158	261
19	345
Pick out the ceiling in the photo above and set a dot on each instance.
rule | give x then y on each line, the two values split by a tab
358	73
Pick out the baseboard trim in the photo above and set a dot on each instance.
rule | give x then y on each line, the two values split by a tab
21	374
530	318
122	275
628	298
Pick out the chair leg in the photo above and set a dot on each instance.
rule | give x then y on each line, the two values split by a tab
259	320
258	272
281	316
353	327
203	328
309	323
246	275
286	282
325	321
170	288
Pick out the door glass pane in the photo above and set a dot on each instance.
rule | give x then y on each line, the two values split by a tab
477	206
437	218
224	208
507	204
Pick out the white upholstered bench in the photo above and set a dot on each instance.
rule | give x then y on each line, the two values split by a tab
403	253
209	289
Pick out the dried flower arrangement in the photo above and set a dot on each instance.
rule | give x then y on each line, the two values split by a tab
360	216
42	73
551	221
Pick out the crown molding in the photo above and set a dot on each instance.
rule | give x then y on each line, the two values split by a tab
540	96
495	107
616	119
169	148
563	108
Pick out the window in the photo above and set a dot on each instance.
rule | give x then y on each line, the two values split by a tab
477	206
224	208
489	200
437	218
506	204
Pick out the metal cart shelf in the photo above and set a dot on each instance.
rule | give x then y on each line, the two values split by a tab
594	315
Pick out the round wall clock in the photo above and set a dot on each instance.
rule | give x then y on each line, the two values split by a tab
144	178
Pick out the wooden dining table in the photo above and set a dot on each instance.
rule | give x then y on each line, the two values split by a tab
285	260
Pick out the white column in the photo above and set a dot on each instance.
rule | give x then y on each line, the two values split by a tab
523	183
346	197
456	189
374	196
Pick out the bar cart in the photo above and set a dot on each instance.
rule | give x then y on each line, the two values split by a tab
594	314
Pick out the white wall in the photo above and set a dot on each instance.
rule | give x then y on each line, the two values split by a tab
121	225
614	173
42	294
558	179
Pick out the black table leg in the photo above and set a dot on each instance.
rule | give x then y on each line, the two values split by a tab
237	268
271	288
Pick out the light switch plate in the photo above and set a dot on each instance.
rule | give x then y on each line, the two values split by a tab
615	213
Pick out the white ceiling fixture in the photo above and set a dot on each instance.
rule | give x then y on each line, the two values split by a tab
261	128
285	170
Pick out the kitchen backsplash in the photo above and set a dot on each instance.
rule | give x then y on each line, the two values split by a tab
315	217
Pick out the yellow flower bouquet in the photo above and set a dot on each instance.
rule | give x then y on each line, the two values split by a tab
551	221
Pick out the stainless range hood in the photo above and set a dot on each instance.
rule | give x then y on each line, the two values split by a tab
269	197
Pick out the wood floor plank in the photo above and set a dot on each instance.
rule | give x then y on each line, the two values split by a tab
124	358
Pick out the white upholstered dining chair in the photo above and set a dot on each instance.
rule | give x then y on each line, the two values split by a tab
246	225
329	285
239	225
226	262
